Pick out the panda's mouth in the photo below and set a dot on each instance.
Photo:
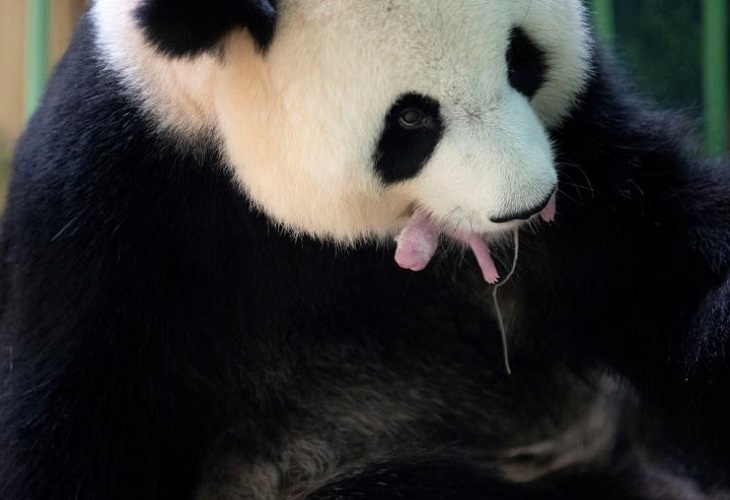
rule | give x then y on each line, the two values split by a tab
418	241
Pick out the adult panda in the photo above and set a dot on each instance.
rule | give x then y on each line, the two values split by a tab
198	297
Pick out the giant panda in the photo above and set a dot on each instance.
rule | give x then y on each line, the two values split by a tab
261	250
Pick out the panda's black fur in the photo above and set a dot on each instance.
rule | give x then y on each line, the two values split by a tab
181	27
158	335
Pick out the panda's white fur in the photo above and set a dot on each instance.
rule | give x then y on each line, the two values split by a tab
299	124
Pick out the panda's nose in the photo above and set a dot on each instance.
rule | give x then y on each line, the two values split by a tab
523	214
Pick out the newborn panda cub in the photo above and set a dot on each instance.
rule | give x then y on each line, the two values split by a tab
206	262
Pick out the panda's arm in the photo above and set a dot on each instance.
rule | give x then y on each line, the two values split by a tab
634	273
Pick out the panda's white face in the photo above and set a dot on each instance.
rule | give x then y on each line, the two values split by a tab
361	115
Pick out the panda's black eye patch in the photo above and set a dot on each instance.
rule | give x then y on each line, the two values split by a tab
413	129
526	64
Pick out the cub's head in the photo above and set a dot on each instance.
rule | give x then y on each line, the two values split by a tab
349	119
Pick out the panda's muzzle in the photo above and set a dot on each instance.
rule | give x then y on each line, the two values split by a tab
418	241
527	213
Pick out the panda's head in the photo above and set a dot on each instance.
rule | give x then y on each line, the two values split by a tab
349	119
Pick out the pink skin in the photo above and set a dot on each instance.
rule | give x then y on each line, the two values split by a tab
484	258
417	244
548	213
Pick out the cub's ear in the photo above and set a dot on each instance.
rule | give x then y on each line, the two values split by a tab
188	27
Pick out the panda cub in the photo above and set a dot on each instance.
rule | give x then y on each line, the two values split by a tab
250	247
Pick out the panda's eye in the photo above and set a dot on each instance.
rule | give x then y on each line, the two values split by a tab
413	128
413	119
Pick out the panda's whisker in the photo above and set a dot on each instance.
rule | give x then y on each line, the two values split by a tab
447	221
575	194
527	12
455	220
588	184
470	220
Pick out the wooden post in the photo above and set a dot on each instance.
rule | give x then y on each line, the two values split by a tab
605	17
715	78
36	63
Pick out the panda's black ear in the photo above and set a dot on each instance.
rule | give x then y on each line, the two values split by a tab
188	27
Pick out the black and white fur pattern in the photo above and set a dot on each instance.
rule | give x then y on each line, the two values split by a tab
197	294
299	125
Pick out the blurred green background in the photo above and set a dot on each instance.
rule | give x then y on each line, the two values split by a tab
675	49
660	43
